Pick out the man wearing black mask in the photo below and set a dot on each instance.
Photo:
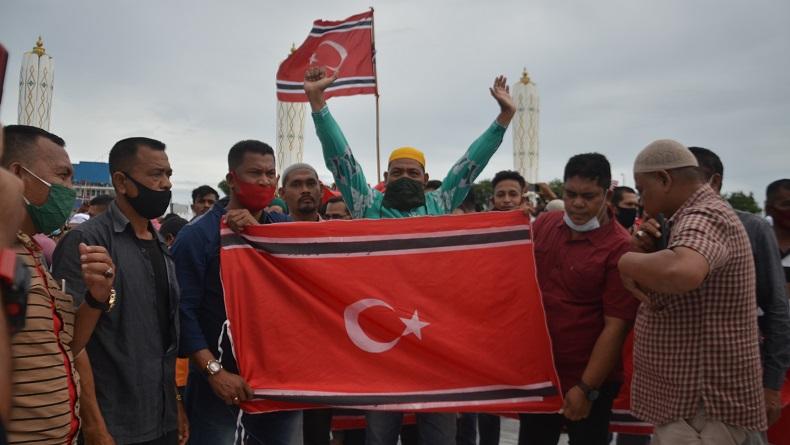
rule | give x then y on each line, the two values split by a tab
626	205
406	176
133	349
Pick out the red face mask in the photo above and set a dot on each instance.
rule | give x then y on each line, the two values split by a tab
252	196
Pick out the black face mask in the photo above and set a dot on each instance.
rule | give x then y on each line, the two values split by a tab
149	203
404	194
626	217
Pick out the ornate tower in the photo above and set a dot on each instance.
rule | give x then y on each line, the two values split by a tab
525	128
35	87
290	131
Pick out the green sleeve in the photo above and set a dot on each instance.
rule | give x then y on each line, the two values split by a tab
348	174
462	175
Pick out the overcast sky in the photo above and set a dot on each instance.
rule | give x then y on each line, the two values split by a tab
612	76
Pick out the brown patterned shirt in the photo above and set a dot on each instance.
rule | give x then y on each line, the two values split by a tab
701	347
45	384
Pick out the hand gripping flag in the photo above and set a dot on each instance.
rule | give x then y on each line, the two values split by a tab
344	47
432	314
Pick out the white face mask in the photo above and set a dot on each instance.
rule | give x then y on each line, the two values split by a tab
590	225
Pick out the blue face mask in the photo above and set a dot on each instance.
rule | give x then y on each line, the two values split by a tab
590	225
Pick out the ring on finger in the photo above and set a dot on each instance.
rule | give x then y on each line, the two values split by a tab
640	233
108	273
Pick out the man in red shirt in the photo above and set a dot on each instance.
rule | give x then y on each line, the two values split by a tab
588	310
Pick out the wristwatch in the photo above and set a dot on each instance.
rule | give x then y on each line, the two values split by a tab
105	306
590	392
213	367
15	283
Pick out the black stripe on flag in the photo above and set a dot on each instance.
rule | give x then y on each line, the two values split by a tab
362	24
355	400
338	83
384	245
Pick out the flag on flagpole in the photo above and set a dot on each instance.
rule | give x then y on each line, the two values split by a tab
432	314
344	47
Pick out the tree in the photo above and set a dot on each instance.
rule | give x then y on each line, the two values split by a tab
741	201
483	192
223	185
556	186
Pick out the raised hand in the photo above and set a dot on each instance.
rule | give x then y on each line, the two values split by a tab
501	92
315	82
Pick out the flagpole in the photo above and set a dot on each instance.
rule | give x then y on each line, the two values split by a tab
375	76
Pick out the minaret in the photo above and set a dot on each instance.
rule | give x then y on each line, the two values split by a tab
290	131
525	128
35	87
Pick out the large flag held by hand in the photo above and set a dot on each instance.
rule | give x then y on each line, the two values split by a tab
342	47
431	313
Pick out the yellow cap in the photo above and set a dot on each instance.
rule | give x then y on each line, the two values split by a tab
408	153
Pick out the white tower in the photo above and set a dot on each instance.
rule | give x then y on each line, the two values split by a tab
35	87
290	132
525	128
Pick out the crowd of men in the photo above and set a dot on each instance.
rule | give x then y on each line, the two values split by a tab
95	328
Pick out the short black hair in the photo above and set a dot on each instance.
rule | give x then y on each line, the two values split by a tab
124	151
593	166
618	192
236	153
709	162
19	141
774	187
505	175
172	225
433	184
202	191
101	200
331	200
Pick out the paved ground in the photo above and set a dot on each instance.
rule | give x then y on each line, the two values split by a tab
509	434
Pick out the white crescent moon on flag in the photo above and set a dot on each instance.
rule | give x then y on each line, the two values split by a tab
355	332
341	51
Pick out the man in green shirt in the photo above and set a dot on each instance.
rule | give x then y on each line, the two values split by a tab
405	196
405	177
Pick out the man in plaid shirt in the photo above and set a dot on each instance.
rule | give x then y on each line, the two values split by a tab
697	373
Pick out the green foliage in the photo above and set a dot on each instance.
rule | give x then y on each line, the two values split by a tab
741	201
556	186
223	185
483	192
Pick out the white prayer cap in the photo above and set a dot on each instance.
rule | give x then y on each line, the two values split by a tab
664	154
78	218
555	205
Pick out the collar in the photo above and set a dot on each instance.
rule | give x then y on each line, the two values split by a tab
27	241
598	236
120	223
703	193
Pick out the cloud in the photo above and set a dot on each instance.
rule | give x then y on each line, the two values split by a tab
612	75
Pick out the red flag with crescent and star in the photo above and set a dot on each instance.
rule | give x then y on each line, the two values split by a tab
417	314
344	47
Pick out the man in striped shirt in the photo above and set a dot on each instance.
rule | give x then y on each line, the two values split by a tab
45	395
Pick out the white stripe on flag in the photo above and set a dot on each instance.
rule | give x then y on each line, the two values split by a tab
471	389
365	20
349	239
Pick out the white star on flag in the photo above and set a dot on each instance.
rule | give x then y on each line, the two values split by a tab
413	325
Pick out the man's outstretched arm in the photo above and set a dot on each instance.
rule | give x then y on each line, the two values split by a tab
462	175
348	174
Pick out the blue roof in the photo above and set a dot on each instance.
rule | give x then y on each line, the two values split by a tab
92	172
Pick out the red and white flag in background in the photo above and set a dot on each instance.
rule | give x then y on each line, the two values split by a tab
432	314
344	47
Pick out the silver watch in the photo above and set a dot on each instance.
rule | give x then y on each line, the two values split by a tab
213	367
